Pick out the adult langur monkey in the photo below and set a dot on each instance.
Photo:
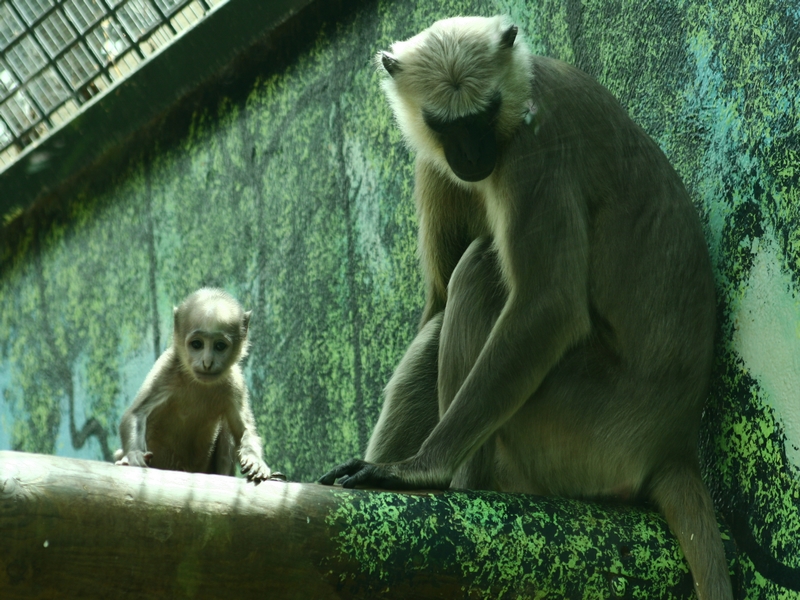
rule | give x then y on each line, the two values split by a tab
566	341
192	412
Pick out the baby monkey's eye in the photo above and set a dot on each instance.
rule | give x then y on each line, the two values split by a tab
220	346
196	344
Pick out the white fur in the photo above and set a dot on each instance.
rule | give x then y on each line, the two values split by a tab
452	69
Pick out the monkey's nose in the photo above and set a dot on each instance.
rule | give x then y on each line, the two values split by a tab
207	366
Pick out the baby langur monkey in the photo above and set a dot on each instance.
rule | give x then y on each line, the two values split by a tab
567	338
193	412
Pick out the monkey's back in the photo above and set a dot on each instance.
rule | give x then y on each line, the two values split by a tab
646	362
650	276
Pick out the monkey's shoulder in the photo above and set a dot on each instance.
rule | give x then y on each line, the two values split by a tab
550	72
169	383
562	90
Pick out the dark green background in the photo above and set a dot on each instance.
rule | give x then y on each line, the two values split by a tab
293	192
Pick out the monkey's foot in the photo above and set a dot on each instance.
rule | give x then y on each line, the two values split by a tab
359	472
135	458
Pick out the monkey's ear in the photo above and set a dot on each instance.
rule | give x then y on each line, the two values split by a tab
246	322
175	318
508	37
390	63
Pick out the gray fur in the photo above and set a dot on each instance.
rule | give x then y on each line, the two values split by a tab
571	290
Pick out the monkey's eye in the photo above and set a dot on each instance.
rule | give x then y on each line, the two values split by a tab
220	346
436	124
493	110
196	344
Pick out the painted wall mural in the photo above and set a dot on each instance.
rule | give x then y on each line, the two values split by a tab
296	197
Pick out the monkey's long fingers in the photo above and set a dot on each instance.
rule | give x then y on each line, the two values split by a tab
256	470
376	476
351	467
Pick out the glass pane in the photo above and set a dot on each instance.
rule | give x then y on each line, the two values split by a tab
18	113
107	41
5	135
78	66
168	6
48	90
83	13
33	9
25	58
55	33
56	54
188	16
138	17
8	83
10	26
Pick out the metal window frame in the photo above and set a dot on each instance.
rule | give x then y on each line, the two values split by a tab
90	83
113	116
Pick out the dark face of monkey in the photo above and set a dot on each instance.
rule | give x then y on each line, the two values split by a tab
469	142
463	114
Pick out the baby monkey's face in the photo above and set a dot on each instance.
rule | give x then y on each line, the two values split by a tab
210	354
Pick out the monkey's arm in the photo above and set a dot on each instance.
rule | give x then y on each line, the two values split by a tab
243	427
546	265
447	226
133	426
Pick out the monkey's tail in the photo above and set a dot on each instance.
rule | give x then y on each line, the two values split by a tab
682	496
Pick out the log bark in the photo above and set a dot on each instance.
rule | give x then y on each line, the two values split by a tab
71	528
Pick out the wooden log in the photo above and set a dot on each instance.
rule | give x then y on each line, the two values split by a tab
71	528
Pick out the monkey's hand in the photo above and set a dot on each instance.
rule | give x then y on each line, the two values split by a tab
254	468
135	458
359	472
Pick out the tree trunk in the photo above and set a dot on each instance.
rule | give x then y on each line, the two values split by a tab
71	528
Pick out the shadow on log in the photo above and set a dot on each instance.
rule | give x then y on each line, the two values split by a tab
81	529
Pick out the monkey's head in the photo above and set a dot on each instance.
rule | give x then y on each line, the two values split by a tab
210	334
458	90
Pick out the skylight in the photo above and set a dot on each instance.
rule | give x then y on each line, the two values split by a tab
56	55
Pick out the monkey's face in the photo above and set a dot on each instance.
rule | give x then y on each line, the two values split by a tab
210	334
459	90
209	354
469	143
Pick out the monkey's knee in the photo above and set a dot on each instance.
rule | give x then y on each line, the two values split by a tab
476	279
470	265
475	293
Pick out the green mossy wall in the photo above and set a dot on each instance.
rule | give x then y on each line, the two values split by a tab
295	196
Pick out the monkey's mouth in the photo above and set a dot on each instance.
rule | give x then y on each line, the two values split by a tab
473	160
205	376
473	175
